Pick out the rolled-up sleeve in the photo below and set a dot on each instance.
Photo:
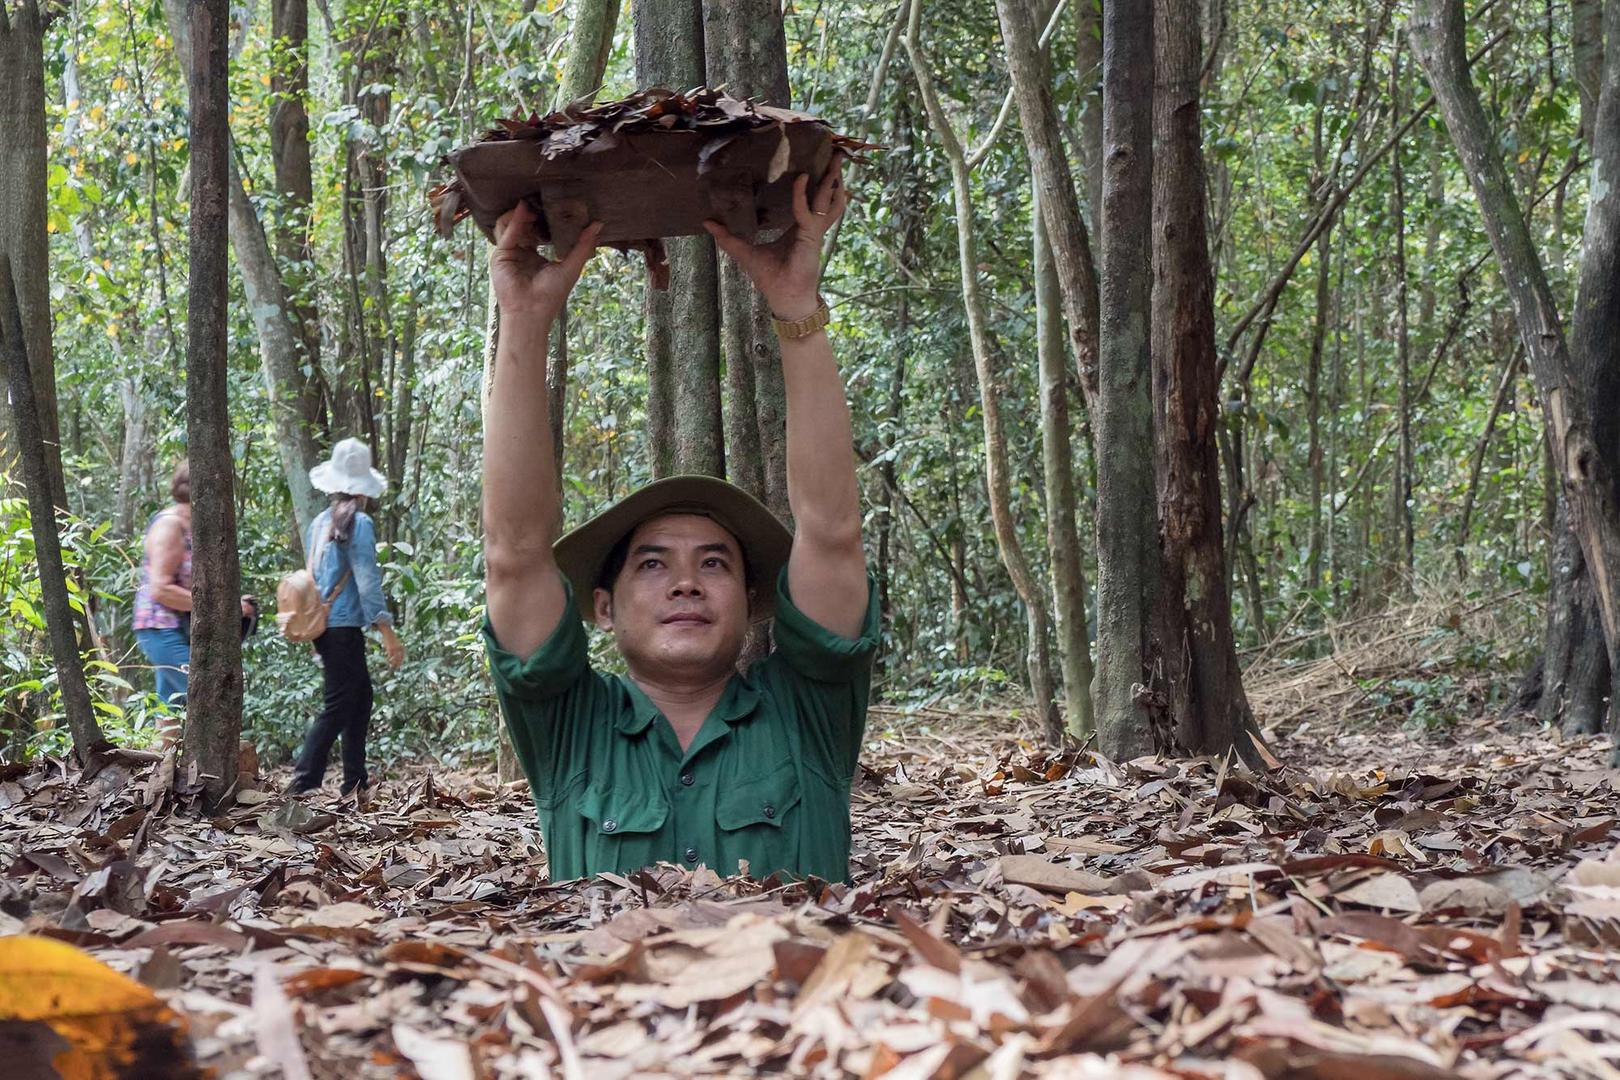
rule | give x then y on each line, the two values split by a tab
825	679
367	578
553	704
816	652
552	668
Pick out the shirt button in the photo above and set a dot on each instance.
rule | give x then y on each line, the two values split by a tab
770	811
691	854
687	779
610	825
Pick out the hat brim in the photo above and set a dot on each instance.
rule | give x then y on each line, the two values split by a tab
765	541
325	477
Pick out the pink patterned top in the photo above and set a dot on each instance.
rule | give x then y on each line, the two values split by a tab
149	614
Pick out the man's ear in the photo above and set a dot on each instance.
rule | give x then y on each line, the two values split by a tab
604	608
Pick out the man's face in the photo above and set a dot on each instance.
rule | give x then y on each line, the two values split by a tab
679	608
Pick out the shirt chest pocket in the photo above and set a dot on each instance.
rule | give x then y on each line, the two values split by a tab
624	827
756	820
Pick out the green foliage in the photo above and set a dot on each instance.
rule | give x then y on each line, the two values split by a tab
397	86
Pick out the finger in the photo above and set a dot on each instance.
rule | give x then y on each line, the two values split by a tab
584	247
829	185
514	229
801	205
726	240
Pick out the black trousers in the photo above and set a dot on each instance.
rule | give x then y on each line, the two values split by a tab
346	711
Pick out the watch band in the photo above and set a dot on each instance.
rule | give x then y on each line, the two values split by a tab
789	329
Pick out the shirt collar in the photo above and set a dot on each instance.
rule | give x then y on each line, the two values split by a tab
737	701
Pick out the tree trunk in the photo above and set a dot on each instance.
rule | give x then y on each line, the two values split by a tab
1313	395
289	151
1057	454
295	405
1586	34
1595	349
22	223
63	626
1575	677
745	50
1066	227
985	354
214	701
591	26
1088	52
1128	721
669	52
1208	707
1584	463
1401	483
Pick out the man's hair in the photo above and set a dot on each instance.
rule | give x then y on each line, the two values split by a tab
180	484
621	555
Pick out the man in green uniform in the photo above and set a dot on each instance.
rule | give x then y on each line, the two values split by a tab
683	760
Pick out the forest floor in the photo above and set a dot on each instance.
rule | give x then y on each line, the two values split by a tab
1383	906
1424	889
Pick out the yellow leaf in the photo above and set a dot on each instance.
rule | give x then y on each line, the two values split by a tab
120	83
69	1011
131	157
96	114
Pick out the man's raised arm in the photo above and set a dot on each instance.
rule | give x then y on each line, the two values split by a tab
521	511
827	570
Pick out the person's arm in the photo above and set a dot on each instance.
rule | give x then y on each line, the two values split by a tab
165	548
362	550
521	512
827	569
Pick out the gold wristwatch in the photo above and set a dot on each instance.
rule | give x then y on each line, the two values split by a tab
788	329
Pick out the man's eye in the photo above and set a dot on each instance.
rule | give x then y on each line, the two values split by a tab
649	564
715	562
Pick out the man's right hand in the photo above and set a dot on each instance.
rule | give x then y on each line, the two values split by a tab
526	282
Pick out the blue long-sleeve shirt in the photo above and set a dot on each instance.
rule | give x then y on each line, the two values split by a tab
361	602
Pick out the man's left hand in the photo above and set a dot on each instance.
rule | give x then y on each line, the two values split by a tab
788	271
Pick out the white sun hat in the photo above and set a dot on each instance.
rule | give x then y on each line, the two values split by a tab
349	472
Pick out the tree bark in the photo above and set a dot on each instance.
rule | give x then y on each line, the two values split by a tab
22	223
591	26
1401	483
289	151
1590	675
1066	227
1582	460
295	406
214	701
1313	394
1586	36
985	355
1208	707
1088	69
1128	723
669	51
1057	456
62	625
745	50
1575	677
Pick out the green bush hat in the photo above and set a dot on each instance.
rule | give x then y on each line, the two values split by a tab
765	541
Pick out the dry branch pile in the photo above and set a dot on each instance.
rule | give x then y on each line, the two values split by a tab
1011	914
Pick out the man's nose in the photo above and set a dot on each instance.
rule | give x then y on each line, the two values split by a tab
686	584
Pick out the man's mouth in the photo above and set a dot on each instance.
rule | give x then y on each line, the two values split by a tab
686	618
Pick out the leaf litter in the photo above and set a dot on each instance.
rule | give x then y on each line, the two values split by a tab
1011	912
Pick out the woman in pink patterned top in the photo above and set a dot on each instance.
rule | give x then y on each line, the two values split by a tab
164	593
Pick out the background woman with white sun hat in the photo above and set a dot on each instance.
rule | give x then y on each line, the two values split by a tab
343	544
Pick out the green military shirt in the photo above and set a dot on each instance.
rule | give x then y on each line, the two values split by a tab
766	779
